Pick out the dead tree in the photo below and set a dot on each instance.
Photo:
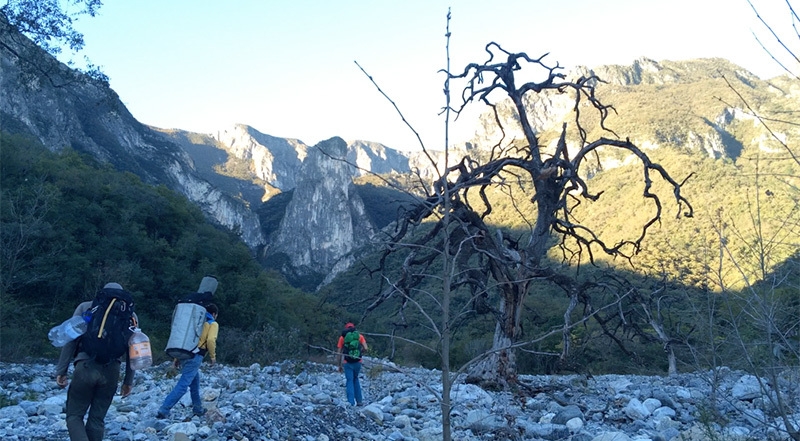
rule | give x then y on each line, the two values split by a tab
551	181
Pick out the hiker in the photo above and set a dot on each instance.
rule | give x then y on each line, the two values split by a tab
95	379
190	369
350	346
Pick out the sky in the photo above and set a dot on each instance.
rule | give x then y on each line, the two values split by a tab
288	68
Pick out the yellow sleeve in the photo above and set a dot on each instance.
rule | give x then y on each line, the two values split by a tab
211	340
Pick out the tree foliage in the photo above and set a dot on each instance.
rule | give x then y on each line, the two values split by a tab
50	25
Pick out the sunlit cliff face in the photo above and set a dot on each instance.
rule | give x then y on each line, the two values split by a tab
325	219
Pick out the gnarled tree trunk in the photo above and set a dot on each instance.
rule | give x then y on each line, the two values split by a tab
499	369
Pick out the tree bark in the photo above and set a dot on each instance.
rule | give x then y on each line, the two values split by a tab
498	370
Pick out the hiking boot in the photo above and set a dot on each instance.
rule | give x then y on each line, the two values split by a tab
199	413
161	416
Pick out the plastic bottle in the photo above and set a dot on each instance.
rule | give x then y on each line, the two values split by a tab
64	333
141	357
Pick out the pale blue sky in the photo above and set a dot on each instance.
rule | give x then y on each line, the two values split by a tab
287	67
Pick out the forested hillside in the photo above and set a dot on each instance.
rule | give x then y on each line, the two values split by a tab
745	223
70	225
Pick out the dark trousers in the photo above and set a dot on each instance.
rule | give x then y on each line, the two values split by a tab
93	387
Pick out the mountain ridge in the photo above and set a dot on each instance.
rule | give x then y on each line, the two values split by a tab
229	174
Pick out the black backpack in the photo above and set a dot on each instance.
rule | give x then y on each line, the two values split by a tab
109	327
200	298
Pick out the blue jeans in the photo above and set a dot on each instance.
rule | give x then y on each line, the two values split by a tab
190	379
351	371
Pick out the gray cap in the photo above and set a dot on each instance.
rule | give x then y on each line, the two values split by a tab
114	285
208	284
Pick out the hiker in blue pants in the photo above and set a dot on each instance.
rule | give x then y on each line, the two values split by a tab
190	369
350	346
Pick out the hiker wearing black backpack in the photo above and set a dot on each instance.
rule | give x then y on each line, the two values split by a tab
96	356
190	368
350	346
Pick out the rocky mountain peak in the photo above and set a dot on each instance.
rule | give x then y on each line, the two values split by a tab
325	220
274	160
645	71
687	105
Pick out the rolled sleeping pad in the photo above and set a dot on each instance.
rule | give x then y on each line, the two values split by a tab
204	294
208	284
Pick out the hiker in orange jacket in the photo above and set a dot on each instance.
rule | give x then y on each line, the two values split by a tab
351	362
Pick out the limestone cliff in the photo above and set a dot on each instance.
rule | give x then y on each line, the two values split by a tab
274	160
325	219
46	100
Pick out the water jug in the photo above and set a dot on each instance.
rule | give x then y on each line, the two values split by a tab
139	351
67	331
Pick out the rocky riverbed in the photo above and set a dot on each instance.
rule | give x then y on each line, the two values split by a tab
306	401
